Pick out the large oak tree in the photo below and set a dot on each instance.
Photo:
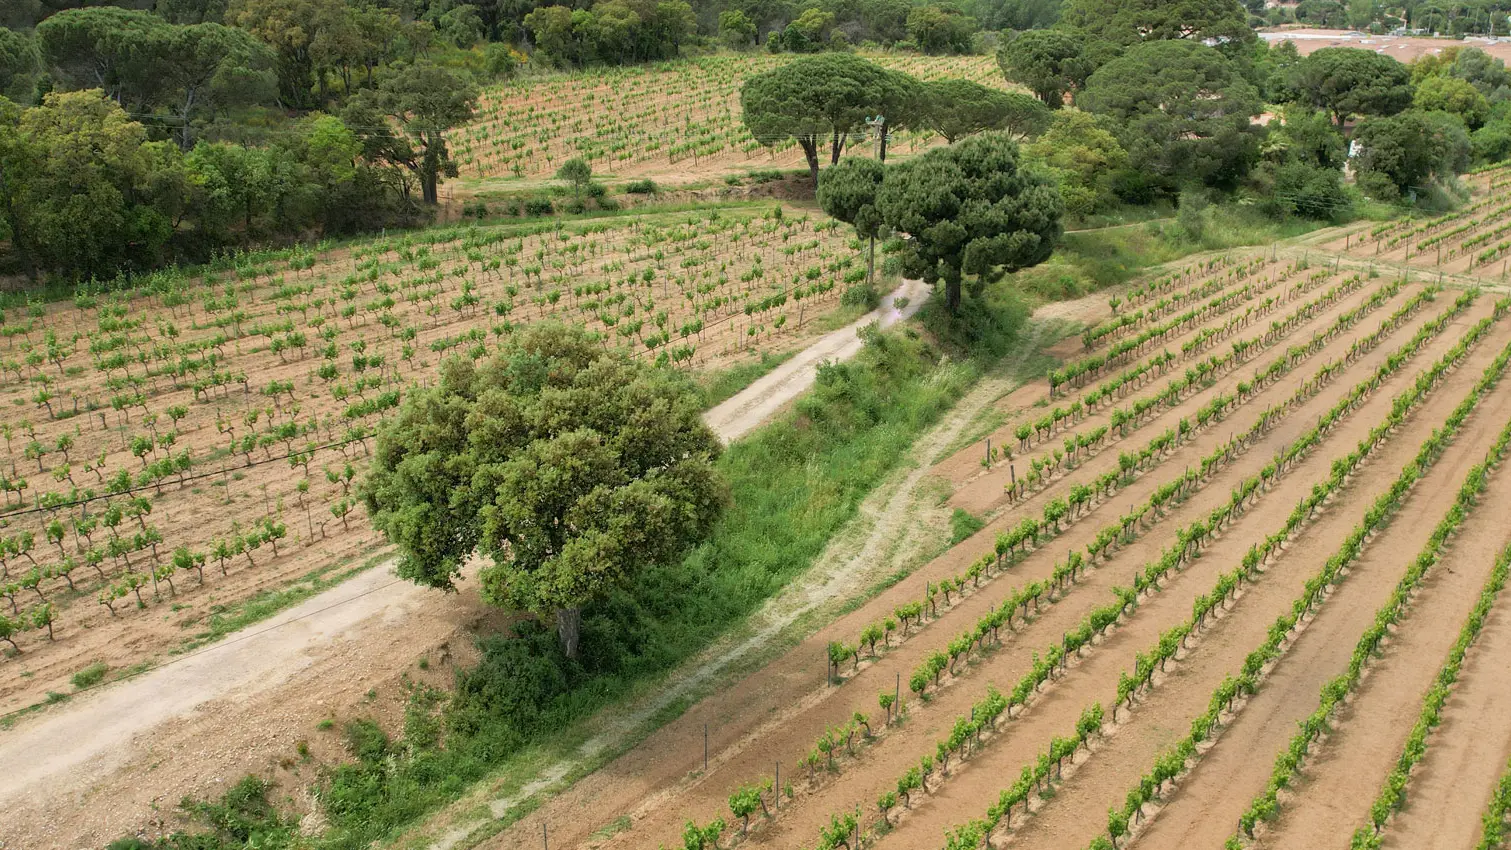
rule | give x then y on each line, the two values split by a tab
570	467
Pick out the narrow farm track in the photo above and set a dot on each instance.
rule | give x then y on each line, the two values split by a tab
1165	713
1093	679
746	410
360	633
1466	755
1348	769
789	736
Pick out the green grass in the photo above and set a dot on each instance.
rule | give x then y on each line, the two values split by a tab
1087	262
91	675
724	384
963	524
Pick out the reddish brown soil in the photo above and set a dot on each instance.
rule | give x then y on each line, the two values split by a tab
1467	754
782	726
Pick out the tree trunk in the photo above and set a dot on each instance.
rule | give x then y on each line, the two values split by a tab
569	629
881	147
836	147
428	187
809	144
952	301
871	261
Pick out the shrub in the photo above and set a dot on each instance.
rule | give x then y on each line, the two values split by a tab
539	206
91	675
576	206
641	187
861	294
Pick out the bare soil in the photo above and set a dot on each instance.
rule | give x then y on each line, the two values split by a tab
1452	785
127	743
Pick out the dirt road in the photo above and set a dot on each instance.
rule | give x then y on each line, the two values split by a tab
106	753
741	414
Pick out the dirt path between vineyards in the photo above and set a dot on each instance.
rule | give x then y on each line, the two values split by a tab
110	759
741	414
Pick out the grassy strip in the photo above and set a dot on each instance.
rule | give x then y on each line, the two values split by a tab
725	384
967	732
227	619
1096	259
1393	795
1170	765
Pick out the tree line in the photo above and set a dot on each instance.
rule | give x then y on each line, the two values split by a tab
1141	101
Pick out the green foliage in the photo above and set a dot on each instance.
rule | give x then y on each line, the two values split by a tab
821	98
613	31
500	62
89	676
425	100
19	63
242	818
1183	112
1081	150
847	192
1400	154
576	173
940	29
1348	81
1453	96
736	29
963	524
1049	63
958	108
1129	22
971	210
573	468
